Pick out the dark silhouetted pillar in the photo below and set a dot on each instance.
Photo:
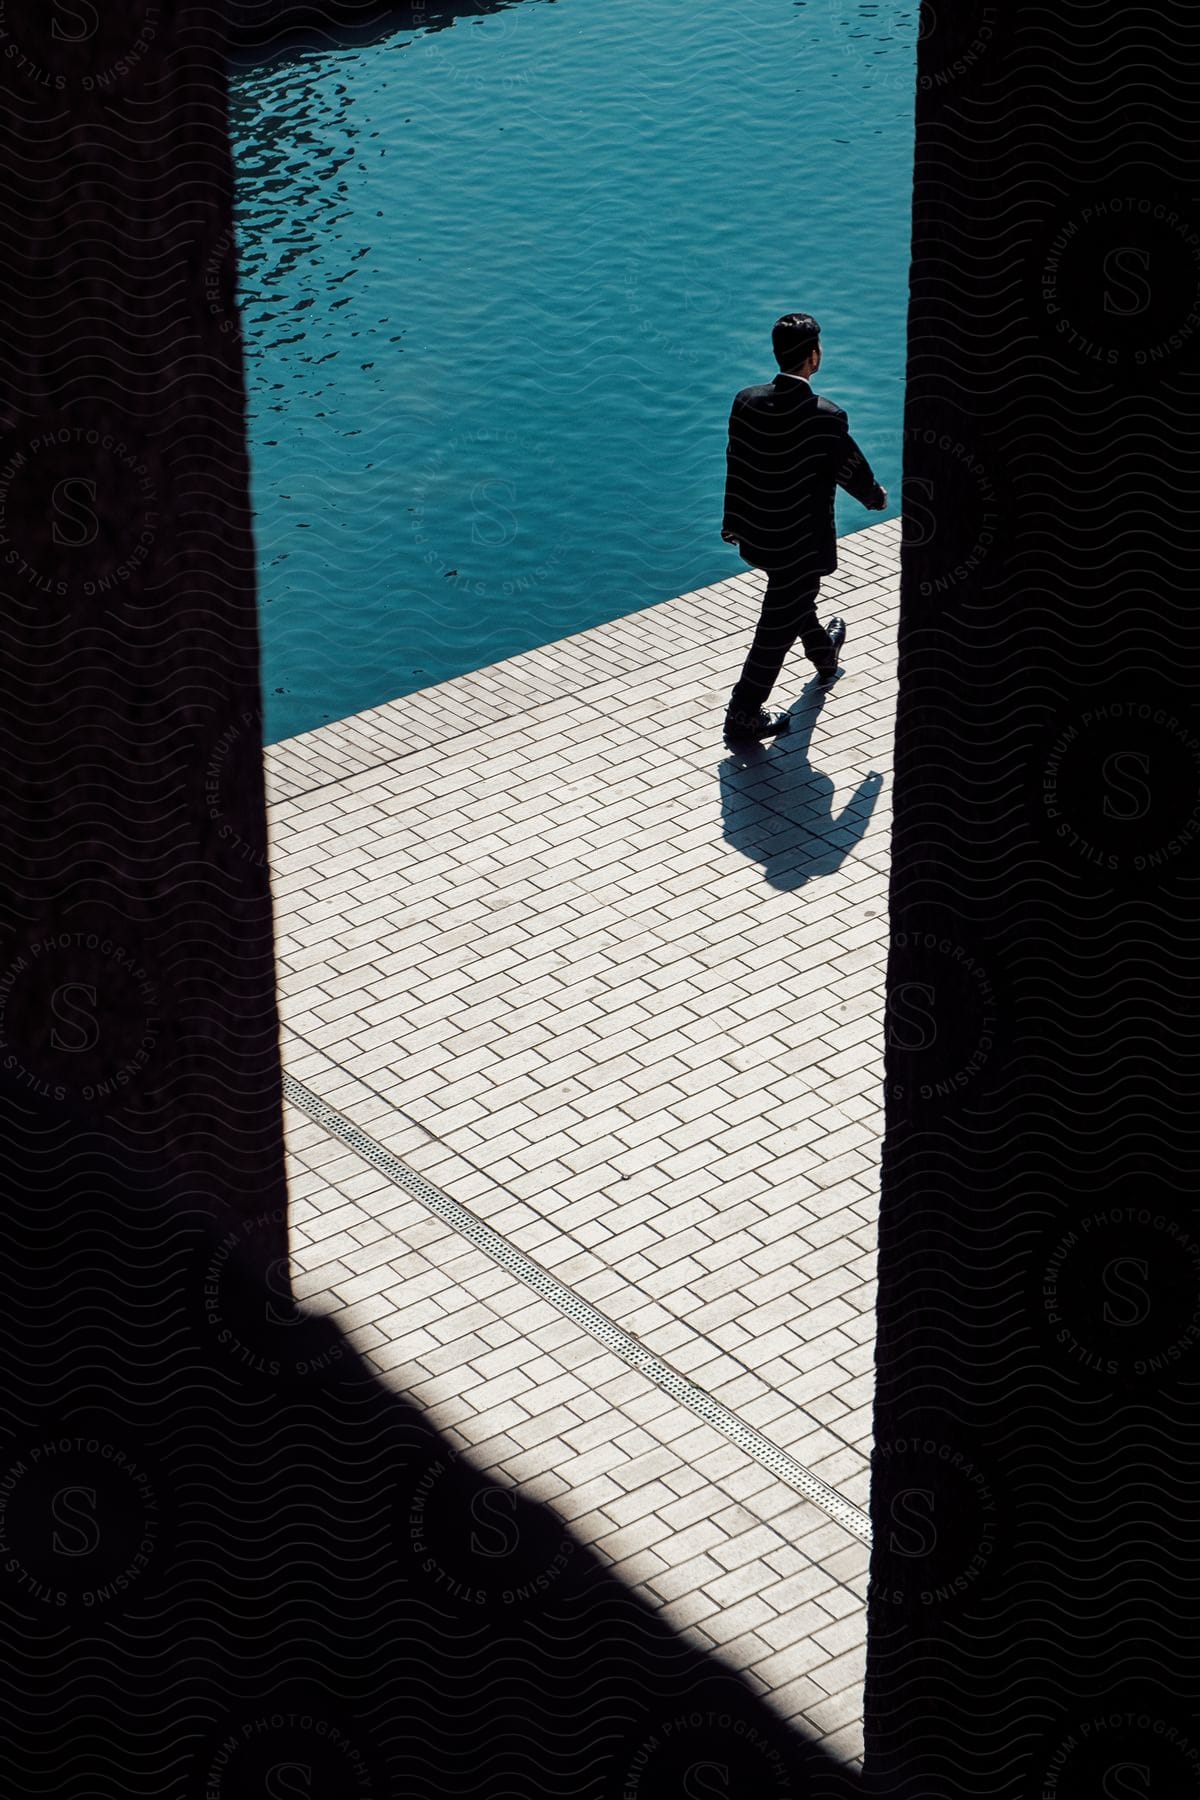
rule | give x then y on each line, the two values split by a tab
1034	1582
138	1025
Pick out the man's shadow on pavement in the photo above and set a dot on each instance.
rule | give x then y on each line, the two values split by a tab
778	810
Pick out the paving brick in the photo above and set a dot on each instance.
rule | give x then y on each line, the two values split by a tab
779	1667
733	1552
848	1633
837	1674
686	1578
794	1698
846	1563
636	1504
834	1711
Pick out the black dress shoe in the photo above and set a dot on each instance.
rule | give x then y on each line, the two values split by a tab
836	627
749	728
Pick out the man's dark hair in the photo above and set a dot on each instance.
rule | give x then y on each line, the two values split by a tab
793	338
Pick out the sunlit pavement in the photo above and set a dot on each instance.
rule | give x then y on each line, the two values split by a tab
619	993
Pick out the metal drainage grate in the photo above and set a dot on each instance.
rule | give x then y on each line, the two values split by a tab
785	1467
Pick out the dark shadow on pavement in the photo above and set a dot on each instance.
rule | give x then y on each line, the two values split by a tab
778	810
238	1564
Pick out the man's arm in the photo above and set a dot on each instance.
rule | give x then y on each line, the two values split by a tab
730	518
854	473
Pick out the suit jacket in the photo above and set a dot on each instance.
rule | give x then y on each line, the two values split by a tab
788	452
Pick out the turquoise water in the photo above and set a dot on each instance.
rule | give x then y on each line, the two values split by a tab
500	282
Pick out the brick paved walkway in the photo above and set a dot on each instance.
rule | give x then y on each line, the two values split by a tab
619	993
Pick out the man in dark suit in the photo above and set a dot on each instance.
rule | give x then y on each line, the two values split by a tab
789	450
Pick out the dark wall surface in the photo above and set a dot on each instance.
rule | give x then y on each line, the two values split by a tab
137	976
1035	1574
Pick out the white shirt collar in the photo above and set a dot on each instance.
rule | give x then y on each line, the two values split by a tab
791	377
